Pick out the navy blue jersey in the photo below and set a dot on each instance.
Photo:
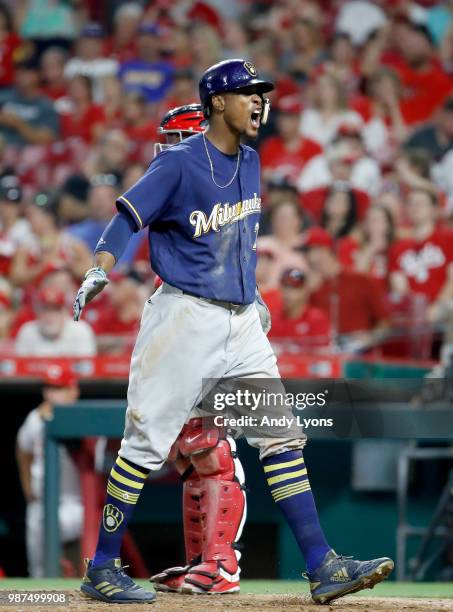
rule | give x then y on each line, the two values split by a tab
202	238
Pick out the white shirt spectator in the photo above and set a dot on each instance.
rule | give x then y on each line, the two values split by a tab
95	69
76	340
365	175
30	440
313	124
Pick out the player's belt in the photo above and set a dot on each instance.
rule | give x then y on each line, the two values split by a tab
166	288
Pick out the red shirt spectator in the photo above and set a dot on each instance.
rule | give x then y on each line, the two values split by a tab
425	84
286	153
296	319
82	119
353	302
422	260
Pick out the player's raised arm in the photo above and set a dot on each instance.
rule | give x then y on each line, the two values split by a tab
138	208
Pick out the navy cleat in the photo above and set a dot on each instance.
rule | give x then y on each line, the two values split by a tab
339	575
109	582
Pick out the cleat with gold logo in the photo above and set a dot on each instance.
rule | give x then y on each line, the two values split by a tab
110	583
339	575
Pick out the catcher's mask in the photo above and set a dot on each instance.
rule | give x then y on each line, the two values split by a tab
180	123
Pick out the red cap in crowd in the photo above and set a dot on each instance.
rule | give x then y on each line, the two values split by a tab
290	105
293	277
51	296
318	237
59	375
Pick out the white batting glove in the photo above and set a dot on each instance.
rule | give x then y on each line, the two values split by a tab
95	281
263	311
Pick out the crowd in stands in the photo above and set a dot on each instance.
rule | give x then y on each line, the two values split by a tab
355	248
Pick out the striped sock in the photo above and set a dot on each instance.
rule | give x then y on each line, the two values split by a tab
124	485
287	478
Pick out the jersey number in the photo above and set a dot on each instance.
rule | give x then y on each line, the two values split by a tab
257	227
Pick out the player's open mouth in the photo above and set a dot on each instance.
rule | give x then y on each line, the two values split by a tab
255	119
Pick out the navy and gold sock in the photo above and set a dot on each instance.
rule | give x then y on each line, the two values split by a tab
124	485
287	478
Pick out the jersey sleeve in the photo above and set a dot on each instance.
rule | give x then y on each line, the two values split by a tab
150	196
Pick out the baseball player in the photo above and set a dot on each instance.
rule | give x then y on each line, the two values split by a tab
59	387
180	123
201	201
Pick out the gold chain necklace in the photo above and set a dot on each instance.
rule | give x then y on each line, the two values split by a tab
212	166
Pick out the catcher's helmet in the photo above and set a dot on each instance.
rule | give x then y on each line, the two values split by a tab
183	119
230	75
180	123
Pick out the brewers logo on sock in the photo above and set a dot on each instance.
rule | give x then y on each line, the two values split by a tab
112	517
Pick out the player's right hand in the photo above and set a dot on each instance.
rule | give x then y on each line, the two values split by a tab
95	281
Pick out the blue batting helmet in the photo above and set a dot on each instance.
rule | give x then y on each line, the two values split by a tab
230	75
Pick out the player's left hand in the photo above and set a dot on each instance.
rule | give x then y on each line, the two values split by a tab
263	311
95	281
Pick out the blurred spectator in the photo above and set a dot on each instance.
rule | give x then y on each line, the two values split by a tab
420	264
313	202
109	156
60	387
9	47
54	84
425	84
49	246
102	195
113	97
381	110
367	250
413	171
103	192
122	316
354	304
183	90
27	117
148	73
205	47
122	45
46	19
286	237
297	319
73	206
136	124
82	118
57	277
436	138
306	51
14	230
345	160
339	216
320	122
235	40
54	333
89	60
343	62
286	153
